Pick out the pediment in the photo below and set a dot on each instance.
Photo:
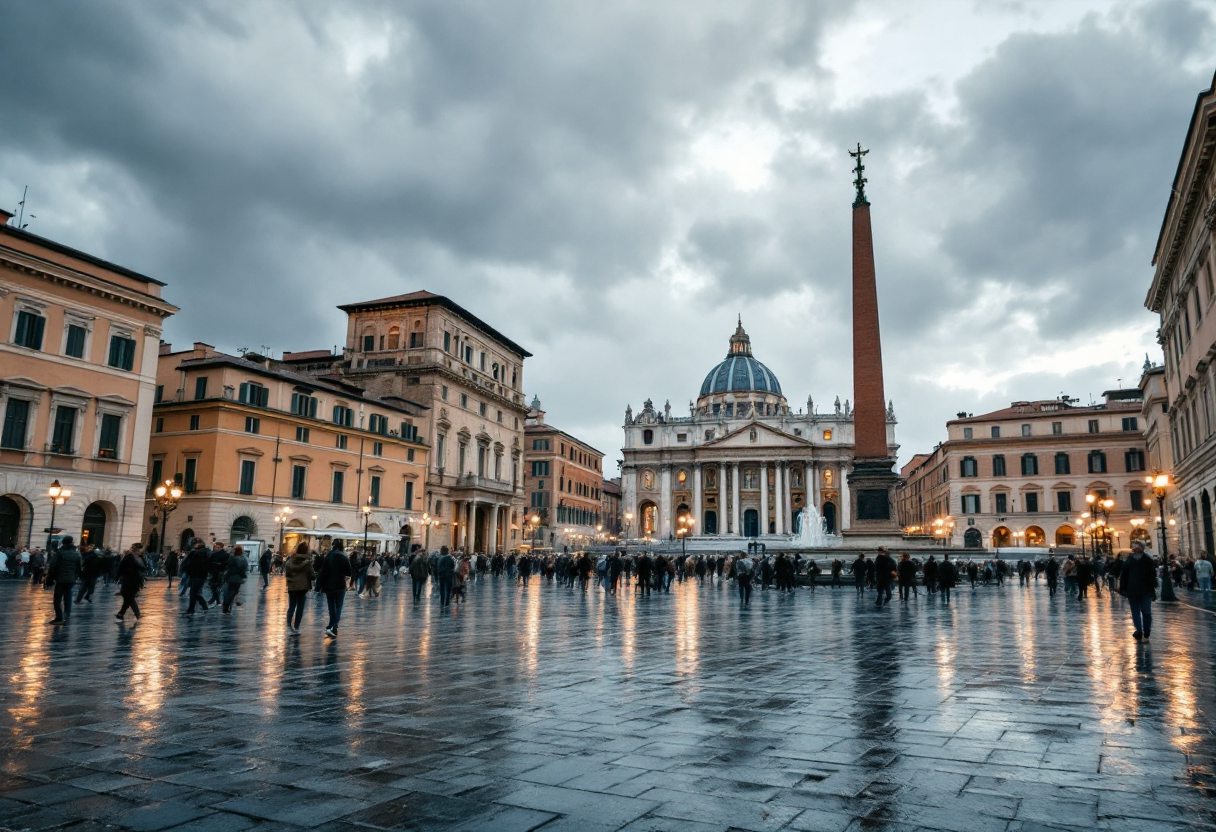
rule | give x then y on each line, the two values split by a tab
766	437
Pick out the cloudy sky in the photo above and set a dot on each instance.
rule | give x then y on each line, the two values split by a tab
610	184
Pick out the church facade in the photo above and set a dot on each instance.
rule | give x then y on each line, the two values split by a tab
742	464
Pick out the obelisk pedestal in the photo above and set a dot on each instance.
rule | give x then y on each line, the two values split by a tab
872	479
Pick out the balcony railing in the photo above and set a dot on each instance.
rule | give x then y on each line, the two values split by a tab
469	481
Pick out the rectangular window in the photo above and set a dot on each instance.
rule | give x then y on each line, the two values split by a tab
464	400
409	454
248	470
255	394
1025	430
1001	503
302	434
160	424
122	352
299	476
253	424
30	327
1063	466
1137	498
1131	423
998	465
107	443
1057	428
447	344
968	467
369	343
378	424
968	433
468	355
1032	503
16	424
303	404
200	388
1097	462
74	348
443	392
158	472
191	479
373	497
996	432
1093	425
409	495
335	490
341	444
540	444
1134	460
540	469
1030	465
971	504
500	417
481	409
343	416
1064	501
415	340
160	393
194	421
377	449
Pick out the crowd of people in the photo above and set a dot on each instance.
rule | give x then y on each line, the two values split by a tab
215	576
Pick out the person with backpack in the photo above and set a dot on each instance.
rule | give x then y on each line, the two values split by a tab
236	570
332	580
744	568
419	571
299	575
62	572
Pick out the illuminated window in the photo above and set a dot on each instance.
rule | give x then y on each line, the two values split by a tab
827	436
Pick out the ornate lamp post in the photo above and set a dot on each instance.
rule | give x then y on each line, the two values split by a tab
59	495
426	531
166	496
367	516
1161	484
281	519
685	529
628	527
534	520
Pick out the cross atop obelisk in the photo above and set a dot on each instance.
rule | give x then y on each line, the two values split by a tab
860	182
872	479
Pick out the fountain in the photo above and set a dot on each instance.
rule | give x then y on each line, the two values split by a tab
812	531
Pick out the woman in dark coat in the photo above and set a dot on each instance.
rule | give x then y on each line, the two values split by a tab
131	570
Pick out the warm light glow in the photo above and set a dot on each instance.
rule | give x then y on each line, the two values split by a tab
55	490
1091	498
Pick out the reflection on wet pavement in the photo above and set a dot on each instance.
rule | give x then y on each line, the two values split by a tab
544	706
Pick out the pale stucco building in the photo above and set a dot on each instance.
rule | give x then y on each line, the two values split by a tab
742	463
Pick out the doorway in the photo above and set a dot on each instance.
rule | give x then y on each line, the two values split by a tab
751	523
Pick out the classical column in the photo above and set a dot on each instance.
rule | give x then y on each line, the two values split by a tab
845	505
812	485
764	499
492	539
664	524
696	498
779	497
734	504
470	539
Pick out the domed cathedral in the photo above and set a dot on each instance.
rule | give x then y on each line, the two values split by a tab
742	463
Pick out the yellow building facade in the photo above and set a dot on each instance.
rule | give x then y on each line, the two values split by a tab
264	452
78	359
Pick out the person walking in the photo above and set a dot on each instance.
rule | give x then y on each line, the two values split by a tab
62	571
236	570
445	572
172	564
90	569
1052	571
197	567
419	571
861	568
332	580
885	571
264	563
131	571
906	572
371	580
947	577
744	568
930	570
1203	572
299	576
218	560
644	568
1138	583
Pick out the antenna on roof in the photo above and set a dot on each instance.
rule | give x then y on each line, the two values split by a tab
21	223
242	351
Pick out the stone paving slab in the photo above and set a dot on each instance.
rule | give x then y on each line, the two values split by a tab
544	708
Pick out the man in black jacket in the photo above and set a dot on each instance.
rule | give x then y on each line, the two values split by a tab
219	565
1138	582
332	580
89	570
62	571
907	577
196	568
884	575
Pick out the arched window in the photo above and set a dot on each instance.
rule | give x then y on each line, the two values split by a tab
648	437
243	528
394	337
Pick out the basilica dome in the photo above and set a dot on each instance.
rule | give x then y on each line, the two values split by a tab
740	372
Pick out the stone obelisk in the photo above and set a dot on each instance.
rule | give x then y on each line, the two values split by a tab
872	479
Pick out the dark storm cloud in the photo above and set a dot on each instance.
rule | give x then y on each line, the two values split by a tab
538	162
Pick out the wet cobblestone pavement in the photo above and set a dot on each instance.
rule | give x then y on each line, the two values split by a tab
542	707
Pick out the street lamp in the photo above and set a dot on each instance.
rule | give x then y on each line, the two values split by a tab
628	526
535	521
686	524
1161	483
166	495
314	522
367	516
281	519
59	495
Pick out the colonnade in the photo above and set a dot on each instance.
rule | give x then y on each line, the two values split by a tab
493	526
